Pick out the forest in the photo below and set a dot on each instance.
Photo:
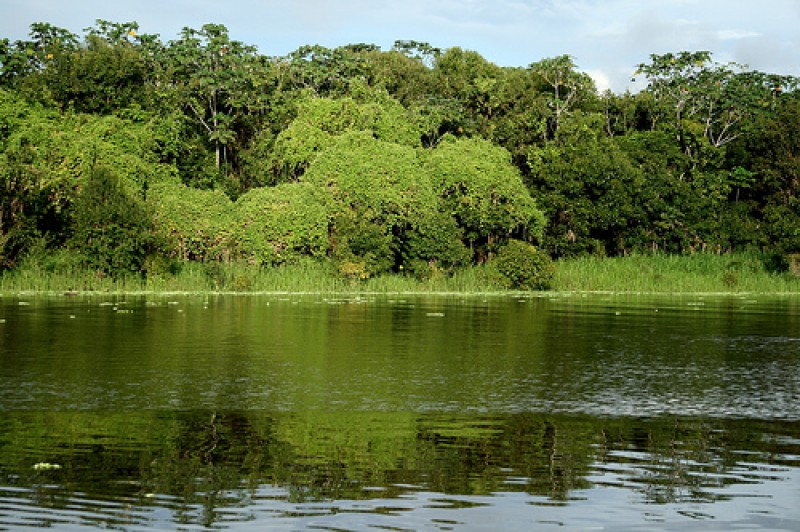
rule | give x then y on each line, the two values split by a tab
130	155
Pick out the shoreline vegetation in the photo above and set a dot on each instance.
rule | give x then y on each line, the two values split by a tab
135	163
702	273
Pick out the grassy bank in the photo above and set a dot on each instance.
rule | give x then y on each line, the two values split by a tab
700	273
309	277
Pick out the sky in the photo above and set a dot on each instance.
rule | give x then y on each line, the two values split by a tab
606	38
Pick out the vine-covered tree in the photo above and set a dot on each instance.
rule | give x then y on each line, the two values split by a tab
414	159
480	187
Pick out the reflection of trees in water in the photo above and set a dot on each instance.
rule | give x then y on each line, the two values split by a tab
211	461
670	461
519	453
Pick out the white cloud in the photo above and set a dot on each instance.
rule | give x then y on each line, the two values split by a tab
734	35
601	80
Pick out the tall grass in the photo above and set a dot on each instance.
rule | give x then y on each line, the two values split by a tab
698	273
189	277
475	279
60	276
52	276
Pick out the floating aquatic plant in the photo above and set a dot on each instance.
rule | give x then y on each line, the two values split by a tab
44	466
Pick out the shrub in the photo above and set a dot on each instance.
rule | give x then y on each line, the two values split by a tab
523	266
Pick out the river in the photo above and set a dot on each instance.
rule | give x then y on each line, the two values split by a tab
400	412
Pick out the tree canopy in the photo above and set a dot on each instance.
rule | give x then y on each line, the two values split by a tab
415	159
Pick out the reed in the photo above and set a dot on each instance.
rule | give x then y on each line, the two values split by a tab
34	277
698	273
475	279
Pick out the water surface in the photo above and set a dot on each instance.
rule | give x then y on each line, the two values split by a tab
400	412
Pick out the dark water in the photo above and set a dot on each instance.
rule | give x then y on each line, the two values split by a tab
440	413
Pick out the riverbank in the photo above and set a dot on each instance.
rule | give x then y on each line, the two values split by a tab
698	273
647	274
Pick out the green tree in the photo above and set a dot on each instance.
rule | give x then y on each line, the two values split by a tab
701	99
46	158
418	50
22	60
320	121
328	72
216	80
773	187
112	230
384	205
99	77
467	79
667	199
485	194
33	201
517	113
591	191
707	108
21	198
405	73
566	87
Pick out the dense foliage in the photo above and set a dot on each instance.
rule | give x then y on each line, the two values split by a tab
523	266
136	152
